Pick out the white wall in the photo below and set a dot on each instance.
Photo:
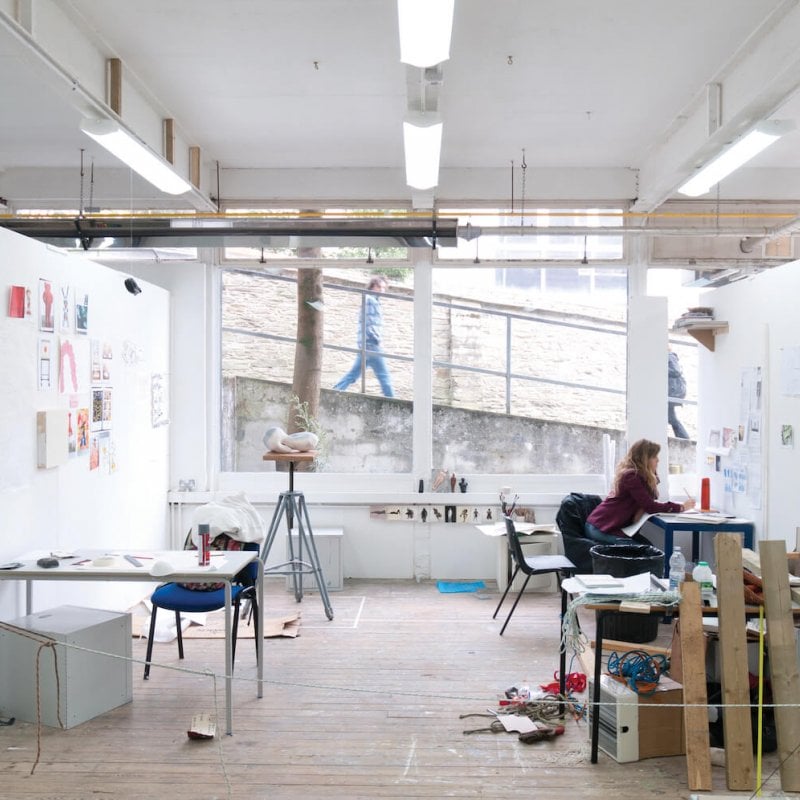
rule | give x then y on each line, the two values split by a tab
762	316
69	506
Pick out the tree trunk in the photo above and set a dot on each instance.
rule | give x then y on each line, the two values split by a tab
308	353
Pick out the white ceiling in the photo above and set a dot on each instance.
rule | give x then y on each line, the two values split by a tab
303	100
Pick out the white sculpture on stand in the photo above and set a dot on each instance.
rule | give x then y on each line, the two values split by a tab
278	441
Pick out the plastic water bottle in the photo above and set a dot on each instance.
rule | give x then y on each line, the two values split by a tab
677	569
702	574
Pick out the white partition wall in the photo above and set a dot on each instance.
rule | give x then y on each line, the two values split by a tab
111	490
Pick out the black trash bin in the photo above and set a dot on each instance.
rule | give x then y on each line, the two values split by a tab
621	561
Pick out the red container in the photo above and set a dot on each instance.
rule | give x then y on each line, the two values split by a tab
204	545
705	494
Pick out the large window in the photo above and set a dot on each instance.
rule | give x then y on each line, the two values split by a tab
368	422
527	374
526	377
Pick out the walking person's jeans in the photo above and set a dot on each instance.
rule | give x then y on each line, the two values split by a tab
677	425
377	363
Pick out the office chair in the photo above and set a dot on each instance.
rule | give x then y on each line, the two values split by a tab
532	565
176	597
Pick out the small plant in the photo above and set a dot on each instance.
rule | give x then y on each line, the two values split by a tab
306	421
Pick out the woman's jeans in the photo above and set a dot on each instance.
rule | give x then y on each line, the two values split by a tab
596	535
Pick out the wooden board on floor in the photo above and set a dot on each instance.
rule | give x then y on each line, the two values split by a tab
736	724
782	660
695	696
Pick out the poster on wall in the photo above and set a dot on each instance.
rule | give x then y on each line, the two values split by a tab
101	409
46	306
45	365
73	366
81	311
108	357
72	433
94	452
97	369
16	301
65	318
83	431
159	399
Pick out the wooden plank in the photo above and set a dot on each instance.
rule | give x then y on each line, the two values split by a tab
169	140
752	561
115	85
736	724
695	697
782	660
652	649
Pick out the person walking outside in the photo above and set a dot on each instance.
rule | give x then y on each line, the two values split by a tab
676	388
370	321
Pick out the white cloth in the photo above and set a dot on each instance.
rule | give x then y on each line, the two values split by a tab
233	515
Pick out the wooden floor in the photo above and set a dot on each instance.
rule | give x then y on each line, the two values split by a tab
364	706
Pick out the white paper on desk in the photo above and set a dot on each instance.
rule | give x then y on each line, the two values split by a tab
629	530
702	516
633	584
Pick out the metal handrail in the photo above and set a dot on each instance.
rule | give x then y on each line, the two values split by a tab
508	374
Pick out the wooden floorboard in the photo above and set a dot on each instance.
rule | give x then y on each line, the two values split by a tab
364	706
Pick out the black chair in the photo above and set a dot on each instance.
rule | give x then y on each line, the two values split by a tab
177	598
571	519
532	565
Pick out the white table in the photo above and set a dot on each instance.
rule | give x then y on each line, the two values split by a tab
223	569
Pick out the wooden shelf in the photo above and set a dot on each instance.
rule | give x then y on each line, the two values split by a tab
705	332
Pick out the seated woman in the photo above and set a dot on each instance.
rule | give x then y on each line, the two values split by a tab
633	494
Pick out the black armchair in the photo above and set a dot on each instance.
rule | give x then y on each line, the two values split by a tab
571	519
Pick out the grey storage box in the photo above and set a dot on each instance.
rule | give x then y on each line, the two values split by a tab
89	683
328	542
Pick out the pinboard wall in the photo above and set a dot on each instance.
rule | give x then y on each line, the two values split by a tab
88	361
749	409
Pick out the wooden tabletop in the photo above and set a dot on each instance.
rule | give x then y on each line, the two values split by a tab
294	457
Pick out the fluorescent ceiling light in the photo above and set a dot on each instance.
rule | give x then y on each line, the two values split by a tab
737	154
422	140
425	28
138	156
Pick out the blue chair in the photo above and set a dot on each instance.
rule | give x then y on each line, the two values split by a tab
177	598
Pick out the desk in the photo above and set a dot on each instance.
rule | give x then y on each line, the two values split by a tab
223	569
670	523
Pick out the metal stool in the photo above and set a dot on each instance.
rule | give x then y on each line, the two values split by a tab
292	504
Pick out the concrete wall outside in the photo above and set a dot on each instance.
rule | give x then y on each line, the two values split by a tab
373	435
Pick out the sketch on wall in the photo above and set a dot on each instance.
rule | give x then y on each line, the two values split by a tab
66	309
46	306
81	311
159	394
45	364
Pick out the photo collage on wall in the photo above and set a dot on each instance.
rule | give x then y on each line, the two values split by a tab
101	444
69	363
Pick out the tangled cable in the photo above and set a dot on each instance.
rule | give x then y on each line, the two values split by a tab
574	683
639	670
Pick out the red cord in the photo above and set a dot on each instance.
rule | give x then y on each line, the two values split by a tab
574	683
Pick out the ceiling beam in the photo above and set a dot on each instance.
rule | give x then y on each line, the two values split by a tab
755	83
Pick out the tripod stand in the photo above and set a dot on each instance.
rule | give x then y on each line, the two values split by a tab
292	506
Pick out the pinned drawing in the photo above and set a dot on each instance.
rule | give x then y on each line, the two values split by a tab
81	311
46	306
159	399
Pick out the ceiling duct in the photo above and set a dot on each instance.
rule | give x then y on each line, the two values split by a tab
152	232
